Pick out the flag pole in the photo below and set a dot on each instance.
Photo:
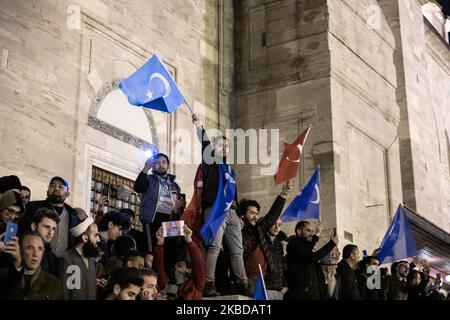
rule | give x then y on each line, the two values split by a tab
187	105
263	282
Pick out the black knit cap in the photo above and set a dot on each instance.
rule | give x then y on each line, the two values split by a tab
9	182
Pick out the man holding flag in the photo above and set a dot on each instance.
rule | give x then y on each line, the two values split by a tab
218	207
288	167
303	262
261	251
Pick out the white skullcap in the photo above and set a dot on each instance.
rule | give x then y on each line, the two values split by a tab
82	227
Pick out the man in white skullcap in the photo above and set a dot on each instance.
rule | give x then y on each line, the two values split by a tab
77	269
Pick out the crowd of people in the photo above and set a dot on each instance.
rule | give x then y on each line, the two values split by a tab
60	252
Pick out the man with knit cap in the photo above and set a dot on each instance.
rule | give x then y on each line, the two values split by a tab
10	208
9	183
77	269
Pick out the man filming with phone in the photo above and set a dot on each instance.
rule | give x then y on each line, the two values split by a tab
160	195
10	213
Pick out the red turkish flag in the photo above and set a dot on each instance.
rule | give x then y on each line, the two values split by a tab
192	215
288	167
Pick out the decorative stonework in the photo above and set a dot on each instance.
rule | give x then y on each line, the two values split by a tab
111	130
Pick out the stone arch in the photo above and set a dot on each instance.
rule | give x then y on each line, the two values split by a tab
105	82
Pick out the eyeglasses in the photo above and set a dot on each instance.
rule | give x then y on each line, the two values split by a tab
13	212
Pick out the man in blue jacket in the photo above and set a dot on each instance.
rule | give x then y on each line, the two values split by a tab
160	196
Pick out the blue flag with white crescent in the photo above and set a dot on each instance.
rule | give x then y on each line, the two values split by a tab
260	289
225	197
306	205
152	86
399	242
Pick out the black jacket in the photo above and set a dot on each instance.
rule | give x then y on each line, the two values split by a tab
252	236
210	173
50	262
395	288
303	266
275	277
44	286
141	240
349	284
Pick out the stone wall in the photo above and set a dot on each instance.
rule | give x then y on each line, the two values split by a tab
61	59
372	78
282	82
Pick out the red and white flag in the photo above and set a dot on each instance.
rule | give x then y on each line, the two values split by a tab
288	167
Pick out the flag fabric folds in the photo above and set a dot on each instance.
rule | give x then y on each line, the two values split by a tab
260	288
399	241
306	205
288	167
152	86
192	215
224	199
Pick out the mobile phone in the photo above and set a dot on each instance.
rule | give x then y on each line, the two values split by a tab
334	232
11	231
182	196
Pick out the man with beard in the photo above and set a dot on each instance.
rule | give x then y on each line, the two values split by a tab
77	269
160	196
256	241
125	284
45	222
25	193
303	262
57	193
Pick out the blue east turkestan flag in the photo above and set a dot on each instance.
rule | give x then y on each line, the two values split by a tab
152	86
225	197
399	242
306	205
260	289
